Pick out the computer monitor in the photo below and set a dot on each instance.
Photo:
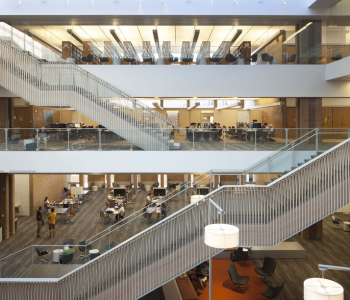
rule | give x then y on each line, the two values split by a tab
119	192
202	191
256	125
77	125
159	192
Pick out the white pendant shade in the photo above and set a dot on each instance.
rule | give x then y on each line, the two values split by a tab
221	236
322	289
76	190
195	198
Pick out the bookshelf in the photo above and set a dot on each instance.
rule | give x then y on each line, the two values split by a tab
70	50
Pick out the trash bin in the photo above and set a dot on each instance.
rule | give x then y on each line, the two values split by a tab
16	225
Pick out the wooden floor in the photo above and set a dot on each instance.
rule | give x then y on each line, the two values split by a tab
87	224
333	249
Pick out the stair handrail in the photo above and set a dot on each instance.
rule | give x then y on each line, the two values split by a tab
93	77
179	212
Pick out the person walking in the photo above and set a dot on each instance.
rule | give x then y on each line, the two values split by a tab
39	220
52	221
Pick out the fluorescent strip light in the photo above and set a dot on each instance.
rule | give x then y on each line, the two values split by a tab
295	33
262	106
196	104
279	33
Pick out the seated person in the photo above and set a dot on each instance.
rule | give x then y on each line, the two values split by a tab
171	184
67	251
149	199
47	203
70	196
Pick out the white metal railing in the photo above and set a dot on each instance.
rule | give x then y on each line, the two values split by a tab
66	84
265	215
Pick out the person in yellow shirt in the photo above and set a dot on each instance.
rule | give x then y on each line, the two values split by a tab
52	221
70	196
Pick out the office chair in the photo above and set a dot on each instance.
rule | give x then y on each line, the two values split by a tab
253	58
188	59
84	248
104	59
15	139
69	216
146	59
265	57
337	57
240	256
66	258
41	252
171	58
230	58
267	270
214	59
94	255
336	222
290	59
109	246
273	292
69	242
236	279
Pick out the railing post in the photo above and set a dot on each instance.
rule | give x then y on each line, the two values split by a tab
37	140
68	129
162	130
255	137
317	139
224	138
193	138
131	148
348	133
286	136
99	139
6	130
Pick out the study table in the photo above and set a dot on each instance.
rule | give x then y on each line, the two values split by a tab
201	135
61	211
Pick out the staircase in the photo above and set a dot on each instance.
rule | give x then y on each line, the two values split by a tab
266	215
66	84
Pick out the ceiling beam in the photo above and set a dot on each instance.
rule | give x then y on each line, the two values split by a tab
117	39
156	41
74	35
194	41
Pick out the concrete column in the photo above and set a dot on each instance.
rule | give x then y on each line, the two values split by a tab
216	181
6	117
308	46
109	181
308	115
5	205
12	217
135	182
81	180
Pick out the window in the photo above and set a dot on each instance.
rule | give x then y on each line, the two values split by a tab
221	103
149	103
175	103
203	103
74	178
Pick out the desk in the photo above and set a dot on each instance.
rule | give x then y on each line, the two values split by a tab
114	211
346	226
61	211
56	255
199	135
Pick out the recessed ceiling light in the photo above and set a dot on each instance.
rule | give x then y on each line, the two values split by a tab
20	2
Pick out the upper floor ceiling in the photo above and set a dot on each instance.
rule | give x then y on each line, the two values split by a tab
170	12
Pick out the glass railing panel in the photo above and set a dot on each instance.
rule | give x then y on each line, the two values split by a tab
110	141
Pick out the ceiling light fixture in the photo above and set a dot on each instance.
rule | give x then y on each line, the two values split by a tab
236	2
284	2
68	2
92	3
20	2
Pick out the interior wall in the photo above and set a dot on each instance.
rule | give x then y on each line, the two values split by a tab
22	197
45	185
96	178
260	179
